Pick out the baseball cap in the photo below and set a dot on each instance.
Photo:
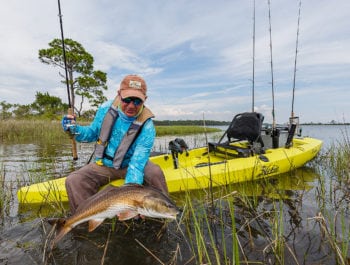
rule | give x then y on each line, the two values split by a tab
133	86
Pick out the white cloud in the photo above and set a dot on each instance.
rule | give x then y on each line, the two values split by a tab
196	56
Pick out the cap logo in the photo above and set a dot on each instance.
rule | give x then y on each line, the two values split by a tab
135	84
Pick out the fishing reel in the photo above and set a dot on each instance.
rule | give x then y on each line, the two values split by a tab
178	146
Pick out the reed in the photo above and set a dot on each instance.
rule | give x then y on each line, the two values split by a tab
278	243
244	222
2	191
330	238
212	235
27	130
338	159
182	130
333	199
50	130
6	193
227	224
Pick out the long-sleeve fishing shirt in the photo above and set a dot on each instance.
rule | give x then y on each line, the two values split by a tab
138	153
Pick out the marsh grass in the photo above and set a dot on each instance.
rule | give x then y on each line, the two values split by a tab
3	195
182	130
228	226
7	190
211	229
241	224
26	130
334	198
52	205
50	130
234	225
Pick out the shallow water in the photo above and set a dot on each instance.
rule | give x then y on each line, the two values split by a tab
299	197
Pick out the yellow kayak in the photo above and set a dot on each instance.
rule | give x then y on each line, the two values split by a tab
199	168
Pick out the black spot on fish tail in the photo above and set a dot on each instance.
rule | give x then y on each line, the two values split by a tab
55	221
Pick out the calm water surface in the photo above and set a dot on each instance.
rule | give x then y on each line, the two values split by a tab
23	233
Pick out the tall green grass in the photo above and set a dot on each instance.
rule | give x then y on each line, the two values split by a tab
6	194
47	130
26	130
334	198
232	225
238	223
182	130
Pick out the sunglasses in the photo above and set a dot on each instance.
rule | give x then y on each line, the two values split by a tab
136	101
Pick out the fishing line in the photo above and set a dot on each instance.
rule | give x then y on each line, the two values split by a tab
294	121
253	80
275	132
272	80
295	61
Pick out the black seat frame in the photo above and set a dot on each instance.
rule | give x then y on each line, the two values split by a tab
244	126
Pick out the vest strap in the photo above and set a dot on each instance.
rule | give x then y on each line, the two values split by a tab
105	132
126	142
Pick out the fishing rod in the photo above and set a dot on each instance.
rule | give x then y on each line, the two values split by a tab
274	134
294	121
253	81
70	107
295	61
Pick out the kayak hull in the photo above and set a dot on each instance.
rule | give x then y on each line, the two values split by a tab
196	169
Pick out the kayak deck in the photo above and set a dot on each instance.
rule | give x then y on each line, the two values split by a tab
198	169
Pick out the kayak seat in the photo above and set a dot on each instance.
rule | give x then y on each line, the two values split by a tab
244	128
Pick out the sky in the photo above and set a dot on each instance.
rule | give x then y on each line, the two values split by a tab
196	56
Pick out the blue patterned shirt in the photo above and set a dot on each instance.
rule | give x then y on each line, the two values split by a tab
138	153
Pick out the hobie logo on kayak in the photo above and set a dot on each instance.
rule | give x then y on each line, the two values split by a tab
268	170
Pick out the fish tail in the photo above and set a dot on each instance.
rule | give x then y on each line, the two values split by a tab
61	230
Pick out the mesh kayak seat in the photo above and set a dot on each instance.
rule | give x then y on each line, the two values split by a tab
243	136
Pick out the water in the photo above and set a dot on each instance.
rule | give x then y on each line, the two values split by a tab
23	234
329	134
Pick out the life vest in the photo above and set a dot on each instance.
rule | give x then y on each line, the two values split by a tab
129	137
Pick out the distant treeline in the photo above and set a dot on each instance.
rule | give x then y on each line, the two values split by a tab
328	123
191	122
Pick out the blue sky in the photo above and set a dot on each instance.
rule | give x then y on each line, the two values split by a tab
196	56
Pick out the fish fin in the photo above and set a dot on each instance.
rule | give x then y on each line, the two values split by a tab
61	230
94	223
127	215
